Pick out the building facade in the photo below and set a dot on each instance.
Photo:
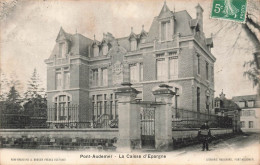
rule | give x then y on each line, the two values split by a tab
85	72
250	112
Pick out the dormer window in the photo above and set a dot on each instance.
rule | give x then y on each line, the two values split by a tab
62	50
165	31
105	49
133	44
95	50
142	40
143	35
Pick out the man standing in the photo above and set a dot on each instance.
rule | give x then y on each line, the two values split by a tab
204	135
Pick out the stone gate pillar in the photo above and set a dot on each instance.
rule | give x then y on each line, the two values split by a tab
163	118
129	119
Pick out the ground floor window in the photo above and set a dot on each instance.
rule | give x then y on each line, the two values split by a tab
104	104
242	124
62	104
251	124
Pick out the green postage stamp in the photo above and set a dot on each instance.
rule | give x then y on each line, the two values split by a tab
234	10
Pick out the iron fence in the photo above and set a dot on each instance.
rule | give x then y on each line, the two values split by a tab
191	119
70	117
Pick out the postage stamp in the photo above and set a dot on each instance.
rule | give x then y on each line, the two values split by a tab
234	10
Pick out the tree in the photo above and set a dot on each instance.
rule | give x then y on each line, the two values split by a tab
4	85
34	88
251	28
36	107
8	81
12	104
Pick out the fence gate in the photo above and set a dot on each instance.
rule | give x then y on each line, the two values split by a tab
148	127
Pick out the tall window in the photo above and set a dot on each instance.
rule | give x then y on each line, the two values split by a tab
133	44
95	50
142	40
61	50
104	77
198	99
212	74
141	71
173	62
165	29
99	105
207	70
198	64
111	106
66	80
161	69
95	77
58	81
242	124
251	124
93	107
104	104
62	104
105	49
207	103
133	73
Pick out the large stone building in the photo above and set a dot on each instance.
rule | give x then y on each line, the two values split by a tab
85	72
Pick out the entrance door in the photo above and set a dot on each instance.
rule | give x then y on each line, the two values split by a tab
148	127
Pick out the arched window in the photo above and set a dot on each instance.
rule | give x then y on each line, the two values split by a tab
62	107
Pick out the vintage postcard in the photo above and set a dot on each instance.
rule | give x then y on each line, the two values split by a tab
129	82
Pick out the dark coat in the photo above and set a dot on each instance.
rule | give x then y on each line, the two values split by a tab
204	132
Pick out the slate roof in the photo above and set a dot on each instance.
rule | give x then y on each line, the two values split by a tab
78	44
165	12
194	23
230	105
244	98
183	24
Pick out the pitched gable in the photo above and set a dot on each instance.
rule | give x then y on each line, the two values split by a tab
165	12
63	35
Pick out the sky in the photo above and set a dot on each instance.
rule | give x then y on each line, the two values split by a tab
29	29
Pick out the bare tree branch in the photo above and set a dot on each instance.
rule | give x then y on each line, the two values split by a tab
252	22
252	36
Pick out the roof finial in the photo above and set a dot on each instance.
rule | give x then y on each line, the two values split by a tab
76	31
164	6
142	27
132	29
94	37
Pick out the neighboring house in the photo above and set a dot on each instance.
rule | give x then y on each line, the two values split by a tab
85	72
250	112
227	107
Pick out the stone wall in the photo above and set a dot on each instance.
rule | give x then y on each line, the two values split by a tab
71	133
184	133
